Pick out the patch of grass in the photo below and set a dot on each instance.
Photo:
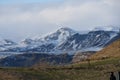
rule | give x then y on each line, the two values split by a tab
97	70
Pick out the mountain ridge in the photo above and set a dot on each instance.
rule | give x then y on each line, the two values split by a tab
67	40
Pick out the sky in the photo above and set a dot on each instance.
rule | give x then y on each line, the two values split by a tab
21	19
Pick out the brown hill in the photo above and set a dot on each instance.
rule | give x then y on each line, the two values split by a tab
113	50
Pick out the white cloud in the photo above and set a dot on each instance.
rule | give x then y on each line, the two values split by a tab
86	14
78	14
112	2
63	13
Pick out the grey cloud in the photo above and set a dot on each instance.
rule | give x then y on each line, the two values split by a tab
32	19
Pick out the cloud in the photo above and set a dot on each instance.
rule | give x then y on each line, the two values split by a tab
65	12
42	18
112	2
86	14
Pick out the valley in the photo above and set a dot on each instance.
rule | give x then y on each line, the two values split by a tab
98	70
89	56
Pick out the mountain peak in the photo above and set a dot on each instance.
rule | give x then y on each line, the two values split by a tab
65	28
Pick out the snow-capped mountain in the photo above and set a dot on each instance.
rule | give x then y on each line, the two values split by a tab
55	37
66	40
93	40
5	43
46	43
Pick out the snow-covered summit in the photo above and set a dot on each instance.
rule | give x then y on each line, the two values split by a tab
64	29
57	36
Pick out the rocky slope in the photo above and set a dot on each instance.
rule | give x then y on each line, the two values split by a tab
30	59
111	51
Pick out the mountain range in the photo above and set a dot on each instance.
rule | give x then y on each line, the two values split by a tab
54	48
64	40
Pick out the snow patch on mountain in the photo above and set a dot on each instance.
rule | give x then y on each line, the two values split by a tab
6	42
91	49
